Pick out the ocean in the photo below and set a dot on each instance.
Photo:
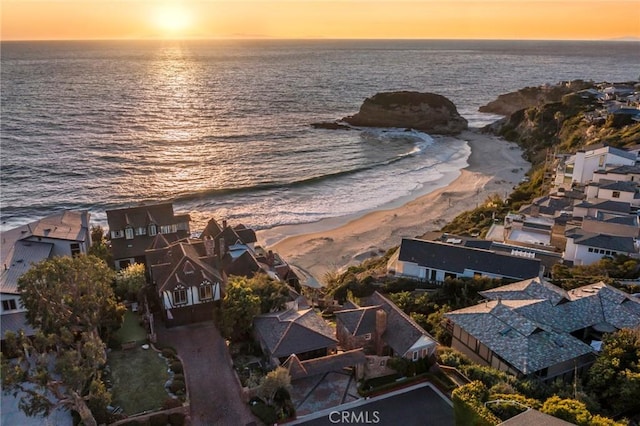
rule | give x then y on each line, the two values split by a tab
222	128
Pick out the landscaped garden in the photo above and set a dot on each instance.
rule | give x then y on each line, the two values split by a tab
131	330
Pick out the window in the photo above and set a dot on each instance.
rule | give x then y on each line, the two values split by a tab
128	233
415	355
206	290
616	194
367	336
9	305
117	234
180	296
383	362
590	250
165	229
153	229
141	230
75	249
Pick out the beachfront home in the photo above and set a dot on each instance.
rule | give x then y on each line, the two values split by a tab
533	328
435	261
187	280
579	168
132	230
622	191
585	248
62	234
383	329
621	173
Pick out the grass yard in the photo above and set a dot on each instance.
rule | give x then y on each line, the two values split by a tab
138	377
131	330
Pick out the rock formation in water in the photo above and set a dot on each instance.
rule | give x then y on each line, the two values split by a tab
427	112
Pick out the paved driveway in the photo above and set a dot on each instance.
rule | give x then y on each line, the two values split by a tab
214	392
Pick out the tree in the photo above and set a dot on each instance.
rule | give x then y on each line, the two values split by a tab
239	306
615	376
273	294
71	303
99	246
274	381
570	410
130	281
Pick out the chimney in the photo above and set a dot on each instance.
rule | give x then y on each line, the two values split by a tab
209	246
224	224
381	327
222	248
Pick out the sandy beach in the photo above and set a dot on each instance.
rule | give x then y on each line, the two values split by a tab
495	166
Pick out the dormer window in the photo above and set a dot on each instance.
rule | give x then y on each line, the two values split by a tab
153	229
128	233
180	295
206	290
117	234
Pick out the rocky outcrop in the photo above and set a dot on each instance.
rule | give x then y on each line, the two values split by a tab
532	96
330	125
427	112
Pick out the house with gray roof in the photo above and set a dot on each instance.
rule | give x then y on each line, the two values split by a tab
299	331
622	191
585	248
381	328
62	234
132	230
535	328
620	173
580	167
435	261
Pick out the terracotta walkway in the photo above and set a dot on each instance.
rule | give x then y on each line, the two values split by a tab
214	392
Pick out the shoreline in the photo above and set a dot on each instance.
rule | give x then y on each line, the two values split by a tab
494	167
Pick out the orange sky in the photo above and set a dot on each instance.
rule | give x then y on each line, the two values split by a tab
452	19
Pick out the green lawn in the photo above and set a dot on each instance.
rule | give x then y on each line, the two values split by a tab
138	377
131	330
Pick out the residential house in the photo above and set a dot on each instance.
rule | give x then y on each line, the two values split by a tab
620	173
327	364
187	279
298	330
62	234
592	208
622	191
132	230
381	328
533	328
579	168
585	248
435	261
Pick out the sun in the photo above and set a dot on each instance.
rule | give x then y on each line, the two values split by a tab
172	19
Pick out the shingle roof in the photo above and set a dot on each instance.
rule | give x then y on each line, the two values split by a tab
315	366
401	331
454	258
358	321
141	216
525	344
622	170
612	206
533	417
16	321
624	186
609	242
527	289
293	331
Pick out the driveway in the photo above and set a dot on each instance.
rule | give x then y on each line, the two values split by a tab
214	392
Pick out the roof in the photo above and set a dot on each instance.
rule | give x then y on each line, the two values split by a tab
622	170
610	150
521	315
358	321
401	332
22	257
523	343
185	263
547	205
247	235
533	417
612	206
624	186
212	229
293	332
143	216
16	321
311	367
455	258
609	242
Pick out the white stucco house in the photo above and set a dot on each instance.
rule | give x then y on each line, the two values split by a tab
580	168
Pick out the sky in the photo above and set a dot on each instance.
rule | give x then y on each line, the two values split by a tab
304	19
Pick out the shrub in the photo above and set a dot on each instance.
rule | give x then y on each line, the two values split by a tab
170	403
176	386
176	366
264	412
169	353
178	377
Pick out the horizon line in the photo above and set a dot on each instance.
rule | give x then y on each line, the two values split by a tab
267	38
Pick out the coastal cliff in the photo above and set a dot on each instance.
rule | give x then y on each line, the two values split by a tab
509	103
427	112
